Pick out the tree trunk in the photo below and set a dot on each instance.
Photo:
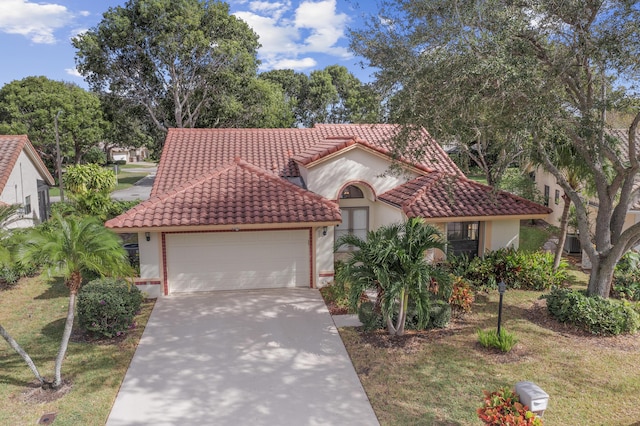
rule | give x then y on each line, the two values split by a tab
66	335
402	313
16	347
564	225
601	276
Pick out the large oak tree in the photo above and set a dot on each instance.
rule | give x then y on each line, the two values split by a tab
540	66
178	59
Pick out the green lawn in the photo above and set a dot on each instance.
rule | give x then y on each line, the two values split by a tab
438	377
33	313
533	237
128	179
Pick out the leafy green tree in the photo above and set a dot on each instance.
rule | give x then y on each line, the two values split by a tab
332	95
173	58
8	214
126	124
71	248
253	103
393	257
30	106
542	65
90	186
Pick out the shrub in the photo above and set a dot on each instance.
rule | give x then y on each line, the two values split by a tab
439	314
462	296
369	317
593	314
490	339
338	294
95	155
518	269
503	407
107	306
626	278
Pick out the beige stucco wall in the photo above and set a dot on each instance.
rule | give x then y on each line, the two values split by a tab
324	256
330	176
501	233
150	256
23	182
545	178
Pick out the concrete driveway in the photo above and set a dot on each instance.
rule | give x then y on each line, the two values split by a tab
267	357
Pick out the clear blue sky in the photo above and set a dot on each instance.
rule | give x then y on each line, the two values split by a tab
302	35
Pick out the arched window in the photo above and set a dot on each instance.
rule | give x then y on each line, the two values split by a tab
351	191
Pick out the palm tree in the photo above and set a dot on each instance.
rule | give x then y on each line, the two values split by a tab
393	258
69	248
8	215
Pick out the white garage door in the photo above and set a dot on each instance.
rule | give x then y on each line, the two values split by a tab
237	260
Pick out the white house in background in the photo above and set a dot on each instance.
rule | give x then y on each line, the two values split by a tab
547	184
260	208
130	155
24	180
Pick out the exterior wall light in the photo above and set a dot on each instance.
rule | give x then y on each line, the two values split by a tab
324	230
147	235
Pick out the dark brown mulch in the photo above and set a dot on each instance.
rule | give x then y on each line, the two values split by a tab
412	340
82	336
36	394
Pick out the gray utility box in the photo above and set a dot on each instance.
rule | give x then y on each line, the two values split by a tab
532	396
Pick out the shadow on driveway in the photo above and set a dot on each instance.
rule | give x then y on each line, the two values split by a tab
268	357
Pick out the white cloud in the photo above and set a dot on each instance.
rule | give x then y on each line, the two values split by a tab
326	26
73	72
84	13
294	64
36	21
287	34
275	37
275	10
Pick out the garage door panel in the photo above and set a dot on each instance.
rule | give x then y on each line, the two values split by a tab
237	260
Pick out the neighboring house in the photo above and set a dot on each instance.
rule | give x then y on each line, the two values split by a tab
130	155
24	180
548	186
259	208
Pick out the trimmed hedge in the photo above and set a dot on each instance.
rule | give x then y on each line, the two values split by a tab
107	306
593	314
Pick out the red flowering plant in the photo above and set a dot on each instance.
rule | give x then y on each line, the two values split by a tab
503	407
462	296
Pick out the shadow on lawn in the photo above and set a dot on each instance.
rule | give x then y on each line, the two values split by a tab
55	290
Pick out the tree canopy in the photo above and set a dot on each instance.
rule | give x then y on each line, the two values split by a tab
175	58
29	106
522	76
332	95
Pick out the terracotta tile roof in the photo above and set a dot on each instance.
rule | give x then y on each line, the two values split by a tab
10	148
189	153
235	194
334	144
429	155
438	195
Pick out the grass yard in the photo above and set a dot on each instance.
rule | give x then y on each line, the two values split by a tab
128	179
33	313
437	377
532	237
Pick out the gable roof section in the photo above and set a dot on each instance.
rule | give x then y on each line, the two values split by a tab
441	196
189	153
335	144
10	148
381	136
235	194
